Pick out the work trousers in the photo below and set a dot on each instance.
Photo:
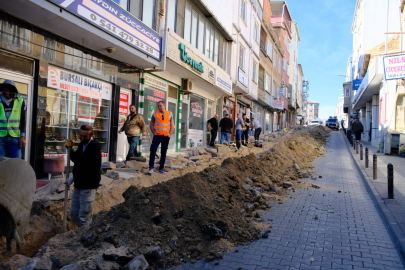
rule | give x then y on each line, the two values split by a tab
156	141
214	133
245	136
133	143
12	145
257	133
81	210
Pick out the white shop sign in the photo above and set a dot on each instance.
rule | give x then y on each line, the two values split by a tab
155	82
243	77
77	83
394	67
223	82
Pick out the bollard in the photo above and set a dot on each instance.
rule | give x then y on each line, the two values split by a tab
357	146
390	176
366	157
374	166
361	151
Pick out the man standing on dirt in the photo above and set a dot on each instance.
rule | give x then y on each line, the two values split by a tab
12	120
213	125
357	129
257	127
226	126
239	129
86	176
134	126
245	134
162	127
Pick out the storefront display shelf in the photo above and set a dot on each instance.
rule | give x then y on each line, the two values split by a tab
55	126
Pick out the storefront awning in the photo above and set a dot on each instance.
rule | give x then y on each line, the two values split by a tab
370	85
94	25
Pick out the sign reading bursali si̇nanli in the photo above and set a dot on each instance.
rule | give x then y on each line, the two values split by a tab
394	67
117	22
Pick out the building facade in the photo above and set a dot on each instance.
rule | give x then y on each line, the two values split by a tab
311	111
294	91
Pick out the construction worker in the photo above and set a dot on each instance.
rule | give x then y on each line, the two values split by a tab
245	134
134	127
162	127
86	175
258	129
12	120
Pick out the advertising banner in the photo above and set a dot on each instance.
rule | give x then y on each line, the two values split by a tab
242	77
278	104
123	109
73	82
394	67
195	137
224	82
117	22
356	84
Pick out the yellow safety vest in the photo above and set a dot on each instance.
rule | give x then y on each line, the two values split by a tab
12	125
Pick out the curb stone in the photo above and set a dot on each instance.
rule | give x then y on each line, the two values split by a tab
396	233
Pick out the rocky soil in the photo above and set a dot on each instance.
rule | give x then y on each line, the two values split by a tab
203	210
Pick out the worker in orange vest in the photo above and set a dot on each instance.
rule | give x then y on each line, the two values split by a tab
162	127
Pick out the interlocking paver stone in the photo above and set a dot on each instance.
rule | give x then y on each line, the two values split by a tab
349	233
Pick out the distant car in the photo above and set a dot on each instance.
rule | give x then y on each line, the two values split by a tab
314	123
332	123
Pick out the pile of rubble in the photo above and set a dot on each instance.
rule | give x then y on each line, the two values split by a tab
206	208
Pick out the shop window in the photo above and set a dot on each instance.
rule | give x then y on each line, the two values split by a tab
15	63
196	121
65	112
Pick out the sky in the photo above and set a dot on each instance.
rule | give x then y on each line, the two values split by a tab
326	44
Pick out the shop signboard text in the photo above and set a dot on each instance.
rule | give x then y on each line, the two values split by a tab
184	57
242	77
394	67
73	82
117	22
123	109
278	104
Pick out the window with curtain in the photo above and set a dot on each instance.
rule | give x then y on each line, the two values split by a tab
256	32
216	48
254	71
171	13
187	24
194	24
201	34
242	11
225	44
267	85
263	37
148	13
269	49
261	77
241	56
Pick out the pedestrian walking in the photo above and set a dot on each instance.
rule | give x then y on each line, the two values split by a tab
12	120
370	132
239	129
86	176
257	128
245	134
162	127
342	123
357	128
213	126
226	126
133	127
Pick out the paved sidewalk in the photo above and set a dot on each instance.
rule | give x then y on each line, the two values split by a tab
349	233
393	211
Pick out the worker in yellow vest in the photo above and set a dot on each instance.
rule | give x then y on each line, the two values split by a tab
162	127
12	120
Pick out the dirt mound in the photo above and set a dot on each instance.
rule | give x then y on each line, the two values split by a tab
195	216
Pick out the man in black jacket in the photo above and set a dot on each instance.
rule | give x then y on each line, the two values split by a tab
213	125
226	126
357	129
86	176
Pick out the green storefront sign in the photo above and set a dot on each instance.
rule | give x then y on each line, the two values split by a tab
184	57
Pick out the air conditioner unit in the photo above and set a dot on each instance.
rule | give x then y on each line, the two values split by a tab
187	86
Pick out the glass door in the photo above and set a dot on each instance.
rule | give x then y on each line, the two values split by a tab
125	102
184	123
172	107
24	87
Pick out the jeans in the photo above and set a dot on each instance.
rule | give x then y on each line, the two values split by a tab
81	210
257	133
164	141
227	137
245	136
214	133
239	134
12	145
133	143
358	136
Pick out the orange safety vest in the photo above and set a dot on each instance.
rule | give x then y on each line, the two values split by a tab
162	127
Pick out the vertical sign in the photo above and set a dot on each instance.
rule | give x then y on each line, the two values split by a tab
123	109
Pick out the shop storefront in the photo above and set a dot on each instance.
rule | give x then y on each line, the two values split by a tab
202	82
64	86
